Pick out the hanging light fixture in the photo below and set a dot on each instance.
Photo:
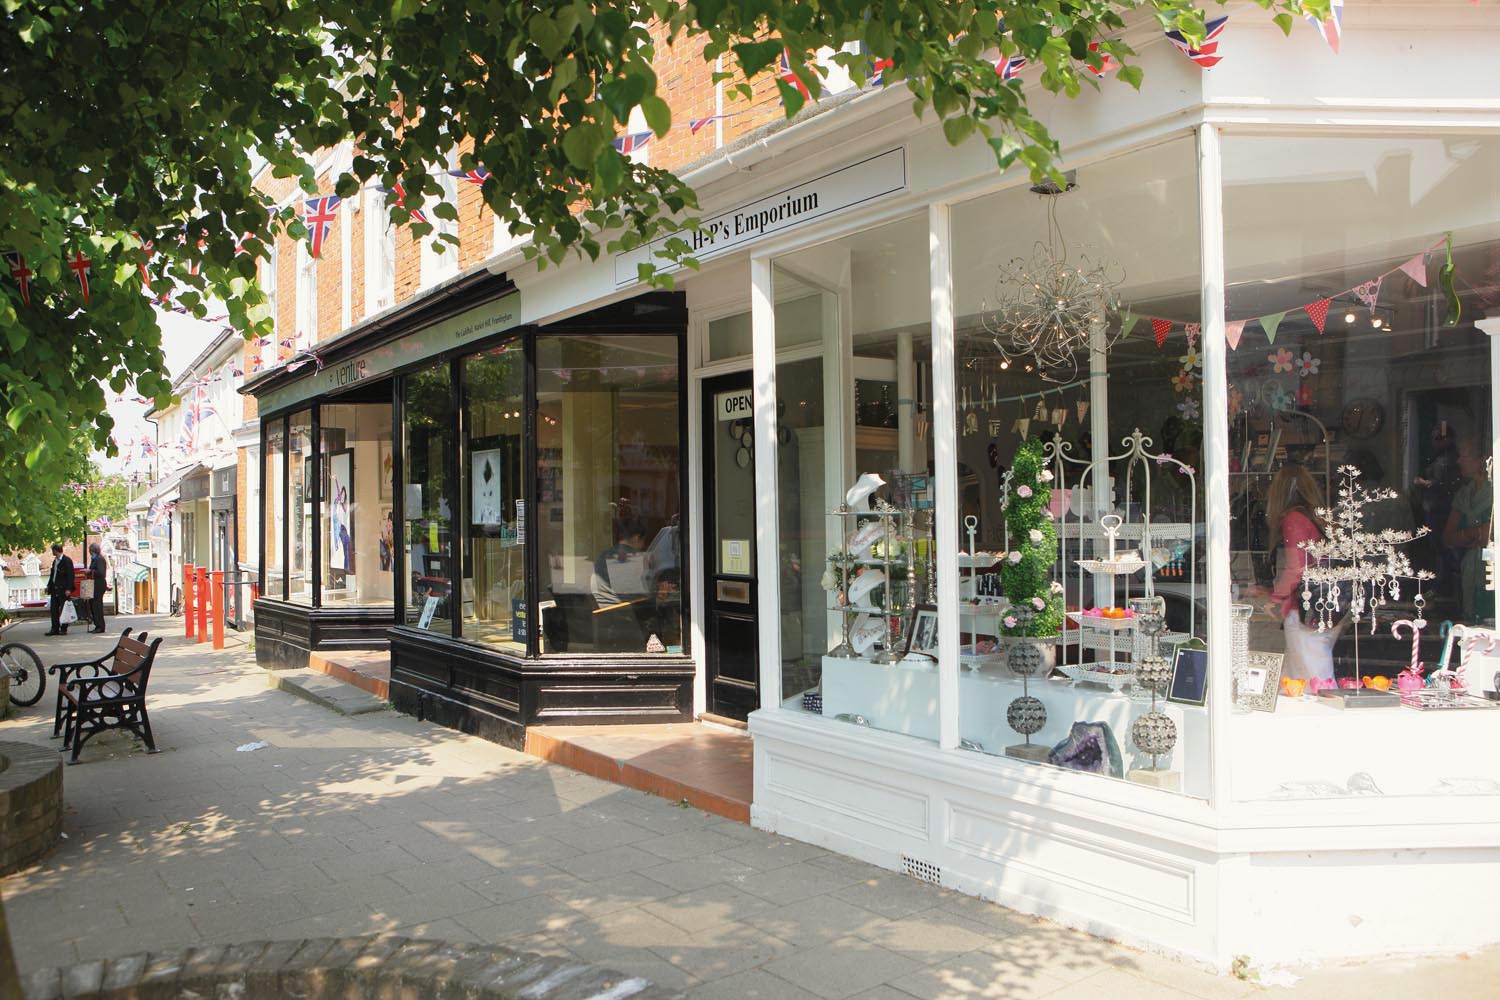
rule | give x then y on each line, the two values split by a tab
1049	309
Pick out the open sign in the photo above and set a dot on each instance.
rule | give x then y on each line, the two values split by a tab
737	405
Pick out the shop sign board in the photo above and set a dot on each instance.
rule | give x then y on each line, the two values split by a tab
430	341
880	175
737	405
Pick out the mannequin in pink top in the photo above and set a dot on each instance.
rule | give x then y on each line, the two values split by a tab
1292	501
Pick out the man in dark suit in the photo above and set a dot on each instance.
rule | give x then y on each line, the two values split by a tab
59	586
99	573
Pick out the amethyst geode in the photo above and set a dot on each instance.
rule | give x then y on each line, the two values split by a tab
1091	747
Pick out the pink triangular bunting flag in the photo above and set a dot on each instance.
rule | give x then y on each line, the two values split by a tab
1416	269
1160	328
1319	312
1232	332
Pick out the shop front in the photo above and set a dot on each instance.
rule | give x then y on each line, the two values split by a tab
499	505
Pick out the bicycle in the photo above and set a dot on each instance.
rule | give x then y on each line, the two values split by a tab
28	678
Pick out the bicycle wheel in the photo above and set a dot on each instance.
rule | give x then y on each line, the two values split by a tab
28	678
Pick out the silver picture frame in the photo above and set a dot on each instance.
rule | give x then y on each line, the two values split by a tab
1260	686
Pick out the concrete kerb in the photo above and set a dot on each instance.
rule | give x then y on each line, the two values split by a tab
381	966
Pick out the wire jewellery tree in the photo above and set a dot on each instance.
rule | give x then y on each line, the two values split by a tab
1354	568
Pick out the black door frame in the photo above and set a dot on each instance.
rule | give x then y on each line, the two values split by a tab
749	695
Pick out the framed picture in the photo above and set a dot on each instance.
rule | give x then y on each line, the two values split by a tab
387	469
1261	685
923	636
1189	677
485	474
340	504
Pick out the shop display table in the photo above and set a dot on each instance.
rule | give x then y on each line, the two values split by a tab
904	698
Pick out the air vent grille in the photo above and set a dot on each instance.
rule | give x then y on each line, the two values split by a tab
924	870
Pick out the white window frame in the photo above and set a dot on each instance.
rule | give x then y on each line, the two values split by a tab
269	285
436	266
307	298
380	253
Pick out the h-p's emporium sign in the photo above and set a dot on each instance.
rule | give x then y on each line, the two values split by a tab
846	187
481	321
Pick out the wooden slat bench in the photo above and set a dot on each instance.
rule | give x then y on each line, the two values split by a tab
113	698
86	668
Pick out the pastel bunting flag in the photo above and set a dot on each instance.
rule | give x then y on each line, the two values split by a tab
1233	330
1319	312
1160	328
1269	323
1368	292
1416	269
1128	320
1023	426
1192	330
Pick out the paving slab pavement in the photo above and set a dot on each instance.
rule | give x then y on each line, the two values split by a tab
352	825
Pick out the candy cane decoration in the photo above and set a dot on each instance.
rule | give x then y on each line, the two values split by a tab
1416	626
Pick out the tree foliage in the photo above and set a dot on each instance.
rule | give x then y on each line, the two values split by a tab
130	131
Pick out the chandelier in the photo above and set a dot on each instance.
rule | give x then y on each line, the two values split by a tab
1049	309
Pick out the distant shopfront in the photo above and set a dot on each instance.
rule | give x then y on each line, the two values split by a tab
500	506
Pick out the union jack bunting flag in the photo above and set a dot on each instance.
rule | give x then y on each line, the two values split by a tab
81	265
399	190
18	270
475	176
150	247
1010	68
786	75
1332	29
1106	64
320	214
697	123
203	404
1208	54
877	70
632	141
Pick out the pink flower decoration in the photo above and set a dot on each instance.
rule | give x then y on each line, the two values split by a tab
1023	491
1282	360
1015	557
1038	603
1046	476
1034	535
1010	621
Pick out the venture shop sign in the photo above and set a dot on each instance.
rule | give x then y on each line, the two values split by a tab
855	184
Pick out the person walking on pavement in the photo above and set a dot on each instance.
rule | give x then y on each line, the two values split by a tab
59	587
99	573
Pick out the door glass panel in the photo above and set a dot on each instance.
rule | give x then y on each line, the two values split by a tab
300	469
426	494
495	570
733	483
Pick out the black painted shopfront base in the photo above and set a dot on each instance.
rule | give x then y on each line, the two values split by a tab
483	692
286	634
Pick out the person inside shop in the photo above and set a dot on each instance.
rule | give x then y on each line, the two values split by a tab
1468	532
1292	501
59	587
617	576
663	618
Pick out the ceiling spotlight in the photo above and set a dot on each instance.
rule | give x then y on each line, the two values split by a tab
1349	318
1377	322
1004	365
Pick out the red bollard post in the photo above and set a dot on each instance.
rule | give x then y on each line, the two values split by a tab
216	605
202	588
187	598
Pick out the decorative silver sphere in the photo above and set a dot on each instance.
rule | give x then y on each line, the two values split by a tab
1025	658
1026	715
1154	673
1154	733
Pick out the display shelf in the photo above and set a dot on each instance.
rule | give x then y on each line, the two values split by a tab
1101	624
1131	531
983	560
906	701
1112	567
1111	674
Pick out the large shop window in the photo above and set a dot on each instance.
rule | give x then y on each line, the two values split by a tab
1080	471
428	498
356	513
300	506
857	577
607	525
1345	362
494	586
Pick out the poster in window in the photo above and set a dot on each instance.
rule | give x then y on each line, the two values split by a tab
387	469
340	503
484	488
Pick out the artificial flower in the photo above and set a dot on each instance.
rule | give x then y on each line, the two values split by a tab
1188	408
1038	603
1281	360
1034	535
1056	587
1010	621
1183	381
1015	557
1191	360
1023	491
1308	366
1046	476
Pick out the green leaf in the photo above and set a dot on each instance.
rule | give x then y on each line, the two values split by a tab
1284	22
581	145
658	115
956	130
402	9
